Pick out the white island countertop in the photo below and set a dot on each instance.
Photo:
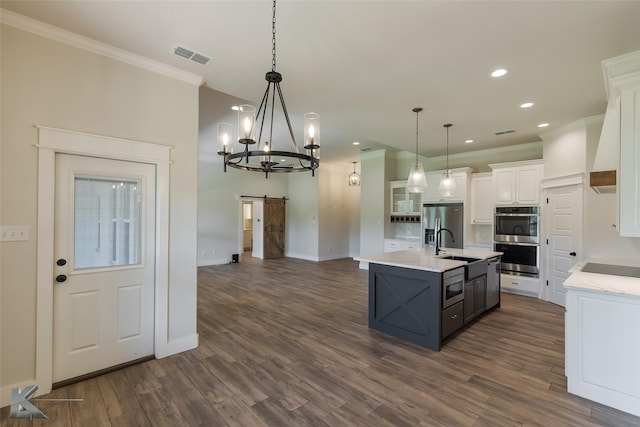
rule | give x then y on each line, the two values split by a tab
612	283
424	258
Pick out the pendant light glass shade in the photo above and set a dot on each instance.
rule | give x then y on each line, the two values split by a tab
354	177
417	181
447	183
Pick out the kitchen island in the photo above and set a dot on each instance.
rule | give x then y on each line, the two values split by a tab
424	298
602	332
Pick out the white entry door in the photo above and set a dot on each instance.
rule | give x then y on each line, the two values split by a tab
564	237
104	264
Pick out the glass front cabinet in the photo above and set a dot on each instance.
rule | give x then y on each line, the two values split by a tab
403	202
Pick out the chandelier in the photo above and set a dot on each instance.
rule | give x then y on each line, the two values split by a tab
417	181
354	177
264	157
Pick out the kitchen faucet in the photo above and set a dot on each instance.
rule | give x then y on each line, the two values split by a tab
438	230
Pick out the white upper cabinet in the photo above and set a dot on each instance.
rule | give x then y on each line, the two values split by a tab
517	183
481	199
630	159
432	194
403	202
622	76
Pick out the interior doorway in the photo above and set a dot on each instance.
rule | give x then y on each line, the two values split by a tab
262	227
247	227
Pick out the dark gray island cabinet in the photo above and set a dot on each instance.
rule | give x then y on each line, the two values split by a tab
424	306
405	303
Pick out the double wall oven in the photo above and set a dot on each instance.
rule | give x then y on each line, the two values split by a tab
517	236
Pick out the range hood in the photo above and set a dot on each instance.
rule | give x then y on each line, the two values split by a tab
603	181
603	176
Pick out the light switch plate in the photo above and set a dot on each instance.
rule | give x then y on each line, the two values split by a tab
14	233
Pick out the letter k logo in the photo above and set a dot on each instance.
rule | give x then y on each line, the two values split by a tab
20	405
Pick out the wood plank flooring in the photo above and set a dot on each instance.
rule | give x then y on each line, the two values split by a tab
285	342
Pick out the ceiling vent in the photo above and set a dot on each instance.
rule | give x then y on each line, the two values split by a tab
504	132
191	55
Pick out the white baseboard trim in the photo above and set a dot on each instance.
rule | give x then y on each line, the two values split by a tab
316	258
301	256
177	346
213	261
336	256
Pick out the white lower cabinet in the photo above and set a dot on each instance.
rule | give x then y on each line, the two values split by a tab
602	340
393	245
529	286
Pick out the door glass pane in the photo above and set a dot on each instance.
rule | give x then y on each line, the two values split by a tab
106	223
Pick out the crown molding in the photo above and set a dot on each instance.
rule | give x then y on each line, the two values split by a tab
24	23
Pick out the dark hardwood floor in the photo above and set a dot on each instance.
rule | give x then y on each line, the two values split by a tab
285	342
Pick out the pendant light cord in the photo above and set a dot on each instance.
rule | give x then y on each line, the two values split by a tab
417	111
448	125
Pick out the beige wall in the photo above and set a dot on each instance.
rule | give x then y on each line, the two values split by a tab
48	83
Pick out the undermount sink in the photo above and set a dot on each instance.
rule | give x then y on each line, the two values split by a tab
473	268
460	258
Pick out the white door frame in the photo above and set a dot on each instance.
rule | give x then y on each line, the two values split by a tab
50	142
578	181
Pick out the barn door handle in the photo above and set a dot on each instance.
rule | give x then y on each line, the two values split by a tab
572	253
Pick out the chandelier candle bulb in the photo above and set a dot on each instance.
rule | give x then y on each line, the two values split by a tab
312	131
246	121
224	138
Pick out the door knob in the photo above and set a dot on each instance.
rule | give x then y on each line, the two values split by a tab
61	262
61	278
572	253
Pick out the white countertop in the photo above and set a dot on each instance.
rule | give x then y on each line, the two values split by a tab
424	258
604	282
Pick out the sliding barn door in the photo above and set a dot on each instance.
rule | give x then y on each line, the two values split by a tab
273	228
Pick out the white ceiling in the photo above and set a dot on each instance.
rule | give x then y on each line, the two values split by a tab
364	65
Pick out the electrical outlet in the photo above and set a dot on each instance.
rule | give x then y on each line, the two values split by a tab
14	233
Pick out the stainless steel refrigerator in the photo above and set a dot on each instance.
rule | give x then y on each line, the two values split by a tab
451	218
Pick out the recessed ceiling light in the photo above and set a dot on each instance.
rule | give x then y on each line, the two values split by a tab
499	72
235	108
543	125
356	143
468	141
526	105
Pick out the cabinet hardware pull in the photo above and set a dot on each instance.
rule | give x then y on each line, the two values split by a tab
455	316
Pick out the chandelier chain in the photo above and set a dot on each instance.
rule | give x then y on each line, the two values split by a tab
273	37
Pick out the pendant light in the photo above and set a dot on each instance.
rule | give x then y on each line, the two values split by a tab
354	178
417	181
266	157
447	183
